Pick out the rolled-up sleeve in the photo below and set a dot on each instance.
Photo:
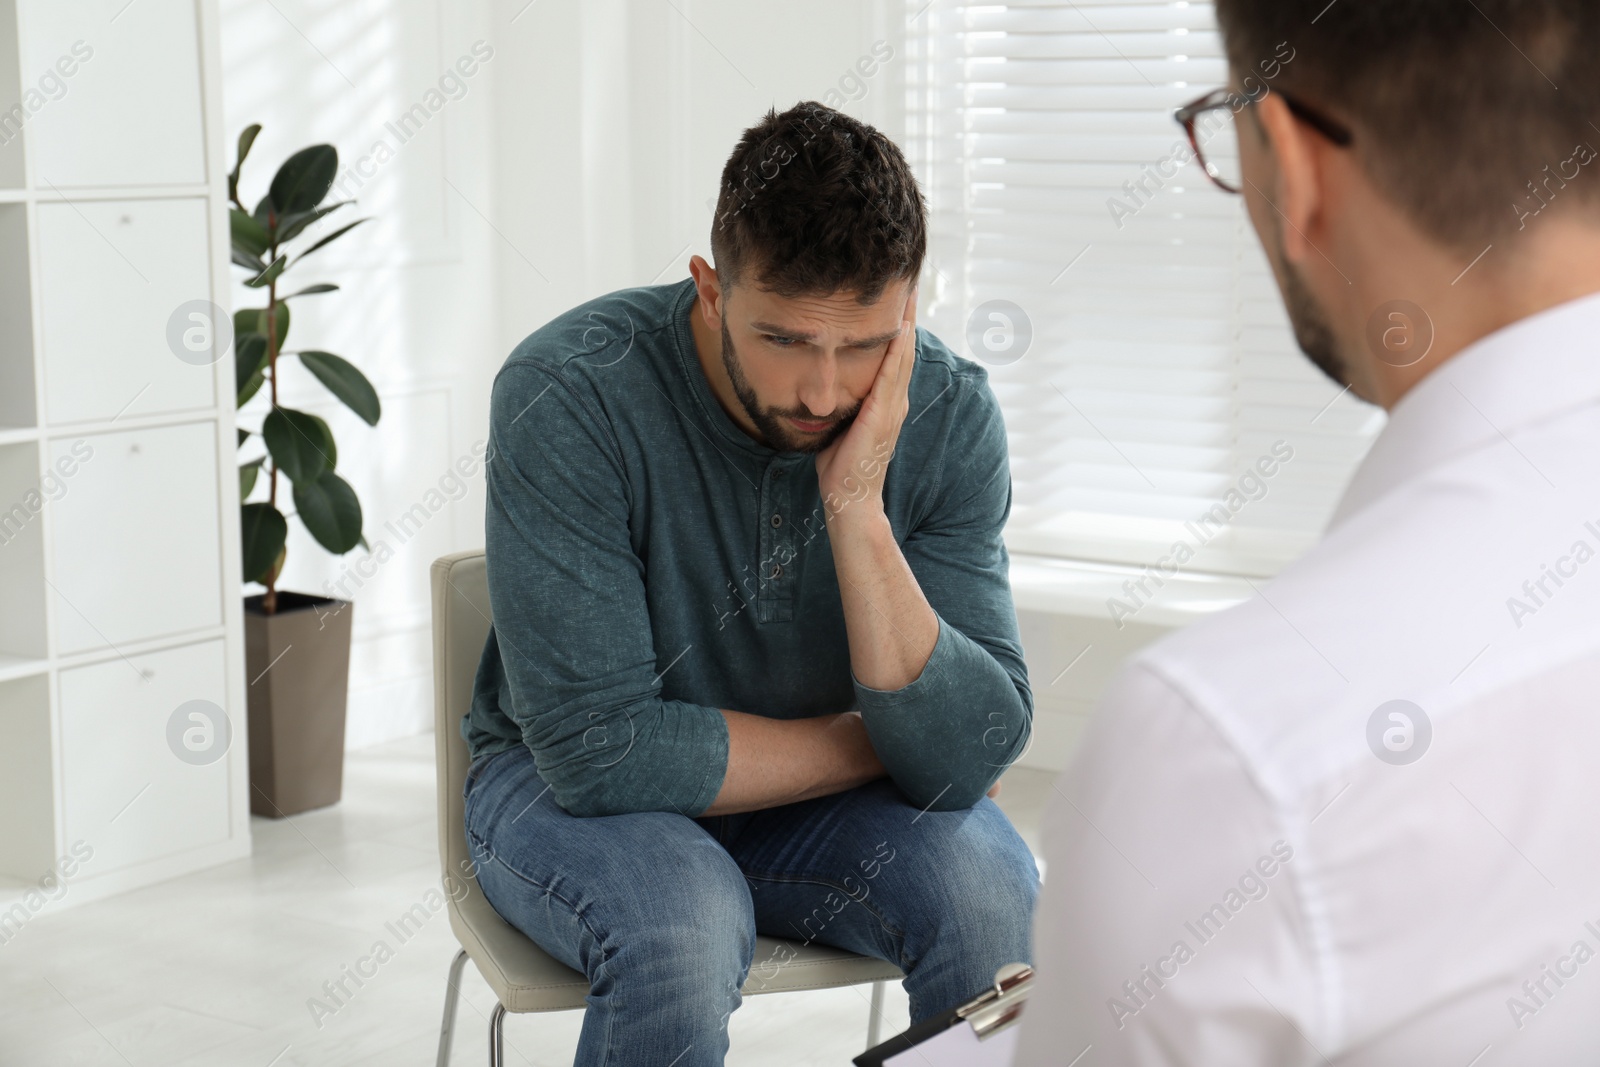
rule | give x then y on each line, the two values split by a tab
947	736
580	677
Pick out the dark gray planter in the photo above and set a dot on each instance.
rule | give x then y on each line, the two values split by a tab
297	664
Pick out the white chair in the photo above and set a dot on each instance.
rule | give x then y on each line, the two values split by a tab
524	978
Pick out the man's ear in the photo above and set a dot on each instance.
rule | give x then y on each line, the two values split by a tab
1299	194
709	288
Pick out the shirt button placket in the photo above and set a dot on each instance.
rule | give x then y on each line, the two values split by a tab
764	546
773	537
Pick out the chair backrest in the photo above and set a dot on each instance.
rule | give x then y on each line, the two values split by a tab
461	620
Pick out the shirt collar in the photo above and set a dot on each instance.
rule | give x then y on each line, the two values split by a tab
1521	374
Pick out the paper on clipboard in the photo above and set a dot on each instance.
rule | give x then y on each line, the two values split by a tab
960	1046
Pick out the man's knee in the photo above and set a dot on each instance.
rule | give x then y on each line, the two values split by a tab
697	908
982	881
1001	884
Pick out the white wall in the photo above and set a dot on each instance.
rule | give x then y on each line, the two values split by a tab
616	116
418	306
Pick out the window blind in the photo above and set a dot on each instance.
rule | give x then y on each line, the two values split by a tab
1158	380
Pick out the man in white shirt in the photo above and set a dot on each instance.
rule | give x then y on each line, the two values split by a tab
1356	819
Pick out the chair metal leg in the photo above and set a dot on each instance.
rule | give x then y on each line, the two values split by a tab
452	997
497	1052
875	1022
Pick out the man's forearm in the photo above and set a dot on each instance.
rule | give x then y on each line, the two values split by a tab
781	761
891	628
893	633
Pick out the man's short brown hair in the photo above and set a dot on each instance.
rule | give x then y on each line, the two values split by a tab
1456	105
814	201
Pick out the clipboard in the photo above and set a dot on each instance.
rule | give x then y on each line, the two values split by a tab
965	1034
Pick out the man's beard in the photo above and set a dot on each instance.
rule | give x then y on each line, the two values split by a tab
775	433
1311	330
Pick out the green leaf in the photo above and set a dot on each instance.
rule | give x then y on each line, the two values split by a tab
254	320
247	476
264	212
265	530
335	235
304	179
346	383
301	445
330	510
249	360
247	137
269	275
249	236
289	226
250	388
310	290
244	435
243	259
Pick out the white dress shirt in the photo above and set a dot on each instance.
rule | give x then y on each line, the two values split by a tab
1250	864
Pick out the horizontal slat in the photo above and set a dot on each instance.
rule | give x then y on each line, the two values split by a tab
1073	44
1055	123
1137	98
1114	20
1105	69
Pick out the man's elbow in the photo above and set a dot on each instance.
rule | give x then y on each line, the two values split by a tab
965	786
581	801
588	791
955	775
584	806
946	796
590	760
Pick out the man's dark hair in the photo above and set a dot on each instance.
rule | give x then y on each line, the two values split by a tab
814	201
1458	107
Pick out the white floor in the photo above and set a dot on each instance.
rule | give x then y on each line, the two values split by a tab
219	968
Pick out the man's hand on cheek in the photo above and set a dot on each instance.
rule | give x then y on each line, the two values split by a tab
850	471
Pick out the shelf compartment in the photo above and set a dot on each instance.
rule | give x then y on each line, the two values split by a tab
13	171
136	538
112	276
129	792
131	113
17	409
22	502
27	786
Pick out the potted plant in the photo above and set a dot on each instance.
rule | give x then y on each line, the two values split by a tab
297	645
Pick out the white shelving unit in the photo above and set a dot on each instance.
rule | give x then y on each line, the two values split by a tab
119	557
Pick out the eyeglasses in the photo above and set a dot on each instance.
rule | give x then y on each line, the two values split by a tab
1213	133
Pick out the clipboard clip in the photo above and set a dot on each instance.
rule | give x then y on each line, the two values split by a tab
1001	1004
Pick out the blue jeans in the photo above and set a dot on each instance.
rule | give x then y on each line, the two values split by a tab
661	911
